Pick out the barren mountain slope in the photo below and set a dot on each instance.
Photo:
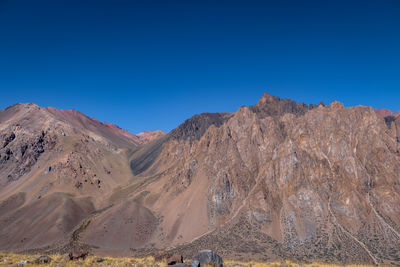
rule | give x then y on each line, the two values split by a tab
56	167
279	179
276	180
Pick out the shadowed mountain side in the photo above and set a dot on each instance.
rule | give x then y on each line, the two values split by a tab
43	222
145	156
192	129
196	126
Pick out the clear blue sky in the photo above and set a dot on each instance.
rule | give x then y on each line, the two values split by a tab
147	65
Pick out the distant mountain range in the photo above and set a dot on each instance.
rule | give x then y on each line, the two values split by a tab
277	180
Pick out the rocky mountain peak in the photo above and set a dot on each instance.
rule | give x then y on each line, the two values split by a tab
267	98
269	105
336	105
23	105
148	136
196	126
383	112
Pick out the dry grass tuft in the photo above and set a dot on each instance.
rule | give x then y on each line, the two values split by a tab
58	260
63	261
286	263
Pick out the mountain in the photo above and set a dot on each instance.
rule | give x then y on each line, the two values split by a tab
148	136
277	180
56	166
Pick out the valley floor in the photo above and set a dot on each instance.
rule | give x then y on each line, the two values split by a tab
63	261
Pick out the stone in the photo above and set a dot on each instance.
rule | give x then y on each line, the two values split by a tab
76	255
207	257
23	262
43	260
174	259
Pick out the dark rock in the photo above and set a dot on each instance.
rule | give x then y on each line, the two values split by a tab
100	260
9	139
389	120
195	263
206	257
43	260
23	149
76	255
274	106
194	128
174	259
78	184
8	152
30	148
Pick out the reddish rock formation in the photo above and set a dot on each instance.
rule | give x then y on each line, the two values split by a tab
384	112
174	259
148	136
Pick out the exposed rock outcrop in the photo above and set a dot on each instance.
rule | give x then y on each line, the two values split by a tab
174	259
309	181
207	258
194	128
43	260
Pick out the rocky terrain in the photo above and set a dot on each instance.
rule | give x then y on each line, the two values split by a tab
277	180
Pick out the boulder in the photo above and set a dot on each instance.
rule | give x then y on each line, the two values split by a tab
100	260
43	260
207	257
77	255
174	259
23	262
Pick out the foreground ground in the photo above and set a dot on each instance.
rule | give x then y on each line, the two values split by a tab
63	260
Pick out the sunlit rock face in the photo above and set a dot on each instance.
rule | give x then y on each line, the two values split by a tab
276	180
284	179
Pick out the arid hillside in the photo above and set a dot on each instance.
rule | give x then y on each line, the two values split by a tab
277	180
56	167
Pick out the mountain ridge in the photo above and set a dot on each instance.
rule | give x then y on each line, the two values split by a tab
272	181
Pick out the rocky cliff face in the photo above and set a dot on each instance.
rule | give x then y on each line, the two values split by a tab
282	179
276	180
